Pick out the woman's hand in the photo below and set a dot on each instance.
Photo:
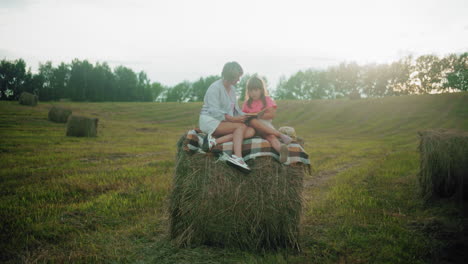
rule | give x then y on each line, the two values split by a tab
235	119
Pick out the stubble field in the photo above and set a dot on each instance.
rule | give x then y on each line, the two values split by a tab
104	199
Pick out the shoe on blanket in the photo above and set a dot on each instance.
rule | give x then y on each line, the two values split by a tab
208	143
286	139
283	153
238	163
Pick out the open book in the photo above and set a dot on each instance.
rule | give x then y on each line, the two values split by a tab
250	116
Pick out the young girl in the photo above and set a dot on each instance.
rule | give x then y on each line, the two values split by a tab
258	101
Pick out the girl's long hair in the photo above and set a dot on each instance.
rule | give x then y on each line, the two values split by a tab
254	83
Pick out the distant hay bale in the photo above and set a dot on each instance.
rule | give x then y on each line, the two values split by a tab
59	114
28	99
444	164
214	204
80	126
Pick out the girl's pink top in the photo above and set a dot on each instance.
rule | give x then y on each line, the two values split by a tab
257	105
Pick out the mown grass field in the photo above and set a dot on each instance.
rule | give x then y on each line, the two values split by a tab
104	199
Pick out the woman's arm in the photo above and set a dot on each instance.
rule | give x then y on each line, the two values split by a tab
212	104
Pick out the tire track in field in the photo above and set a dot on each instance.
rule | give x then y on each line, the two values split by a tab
318	179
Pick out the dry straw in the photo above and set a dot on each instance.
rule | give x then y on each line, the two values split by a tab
444	164
214	204
28	99
80	126
59	114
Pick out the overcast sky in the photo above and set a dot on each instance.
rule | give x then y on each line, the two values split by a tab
176	40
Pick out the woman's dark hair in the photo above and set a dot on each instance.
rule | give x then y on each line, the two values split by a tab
231	71
256	83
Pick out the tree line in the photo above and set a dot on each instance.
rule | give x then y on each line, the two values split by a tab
83	81
77	81
422	75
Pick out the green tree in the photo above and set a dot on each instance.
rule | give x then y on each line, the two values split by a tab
144	92
428	73
109	88
345	79
399	72
375	78
60	79
126	84
292	88
79	84
47	91
13	76
157	90
304	85
201	85
179	93
325	86
33	82
457	72
101	81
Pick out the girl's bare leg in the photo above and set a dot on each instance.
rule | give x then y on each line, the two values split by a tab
274	142
224	139
262	128
238	139
237	130
249	132
282	149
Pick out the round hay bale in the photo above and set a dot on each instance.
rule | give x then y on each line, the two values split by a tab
214	204
80	126
444	164
59	114
28	99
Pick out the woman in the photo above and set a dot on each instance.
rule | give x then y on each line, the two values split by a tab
221	116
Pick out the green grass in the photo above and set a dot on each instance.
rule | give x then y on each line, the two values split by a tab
104	199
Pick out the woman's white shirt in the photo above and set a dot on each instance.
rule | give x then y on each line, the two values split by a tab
218	101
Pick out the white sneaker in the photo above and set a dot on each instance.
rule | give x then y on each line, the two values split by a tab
208	143
238	162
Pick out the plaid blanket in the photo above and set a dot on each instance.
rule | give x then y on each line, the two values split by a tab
251	148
